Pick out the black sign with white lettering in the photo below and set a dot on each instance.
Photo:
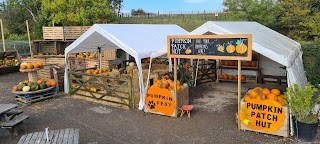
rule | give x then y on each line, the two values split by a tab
192	46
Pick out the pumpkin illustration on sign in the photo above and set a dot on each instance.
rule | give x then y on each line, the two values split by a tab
188	51
230	48
265	115
241	48
220	48
160	100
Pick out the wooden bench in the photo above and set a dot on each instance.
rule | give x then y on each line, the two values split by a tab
10	125
13	112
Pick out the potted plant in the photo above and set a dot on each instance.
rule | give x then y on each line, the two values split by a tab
303	107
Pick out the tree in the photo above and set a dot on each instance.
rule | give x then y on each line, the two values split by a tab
301	19
80	12
262	11
138	12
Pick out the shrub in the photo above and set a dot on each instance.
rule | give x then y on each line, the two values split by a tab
311	60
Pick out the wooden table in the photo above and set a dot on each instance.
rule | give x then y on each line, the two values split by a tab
5	108
68	136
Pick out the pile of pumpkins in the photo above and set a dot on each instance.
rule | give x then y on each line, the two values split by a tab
235	63
85	55
231	77
9	62
264	93
25	66
27	86
98	71
167	83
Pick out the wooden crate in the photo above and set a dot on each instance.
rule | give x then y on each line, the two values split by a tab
53	33
181	99
58	75
47	48
72	32
283	131
109	54
45	73
30	98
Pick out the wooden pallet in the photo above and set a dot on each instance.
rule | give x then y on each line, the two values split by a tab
35	98
69	135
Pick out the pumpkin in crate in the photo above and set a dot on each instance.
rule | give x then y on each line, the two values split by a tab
236	63
230	77
253	64
48	83
225	76
221	63
255	57
231	63
220	76
243	78
26	89
235	77
88	72
19	88
53	83
275	91
265	91
247	64
226	63
39	81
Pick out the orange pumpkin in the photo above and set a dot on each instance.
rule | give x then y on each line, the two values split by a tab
230	77
220	76
246	98
39	81
36	65
226	63
253	94
236	63
221	63
265	91
48	83
271	96
253	64
53	83
30	66
88	71
23	67
243	78
255	57
231	63
225	76
235	77
247	64
275	91
15	88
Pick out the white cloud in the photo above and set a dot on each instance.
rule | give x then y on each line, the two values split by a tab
195	1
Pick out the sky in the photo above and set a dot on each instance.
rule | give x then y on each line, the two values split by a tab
166	6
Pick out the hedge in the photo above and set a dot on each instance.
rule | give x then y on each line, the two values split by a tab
311	61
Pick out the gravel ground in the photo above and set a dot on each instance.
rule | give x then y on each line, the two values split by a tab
212	120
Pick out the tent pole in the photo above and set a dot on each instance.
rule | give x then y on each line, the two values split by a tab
175	85
100	58
195	79
127	58
2	33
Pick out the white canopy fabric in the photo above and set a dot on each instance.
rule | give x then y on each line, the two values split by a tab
138	40
266	42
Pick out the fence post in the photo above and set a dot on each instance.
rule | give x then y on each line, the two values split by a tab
14	46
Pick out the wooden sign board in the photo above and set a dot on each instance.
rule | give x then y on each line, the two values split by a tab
223	47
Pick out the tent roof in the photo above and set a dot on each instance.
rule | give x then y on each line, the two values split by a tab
139	40
265	41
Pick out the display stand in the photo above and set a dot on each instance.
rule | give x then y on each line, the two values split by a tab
32	74
207	71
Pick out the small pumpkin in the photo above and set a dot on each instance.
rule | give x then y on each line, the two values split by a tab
275	91
255	57
15	88
231	48
221	63
231	63
265	91
243	78
271	96
226	63
230	77
36	65
220	76
246	98
247	64
253	64
19	88
225	76
42	85
39	81
48	83
26	89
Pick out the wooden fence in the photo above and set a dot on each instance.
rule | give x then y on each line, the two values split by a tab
115	91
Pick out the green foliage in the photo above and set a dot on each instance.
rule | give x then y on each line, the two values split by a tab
311	60
302	103
300	18
263	11
16	37
79	12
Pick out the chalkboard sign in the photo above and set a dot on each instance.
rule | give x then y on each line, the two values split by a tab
224	47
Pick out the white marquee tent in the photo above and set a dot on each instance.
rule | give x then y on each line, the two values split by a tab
276	49
138	40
